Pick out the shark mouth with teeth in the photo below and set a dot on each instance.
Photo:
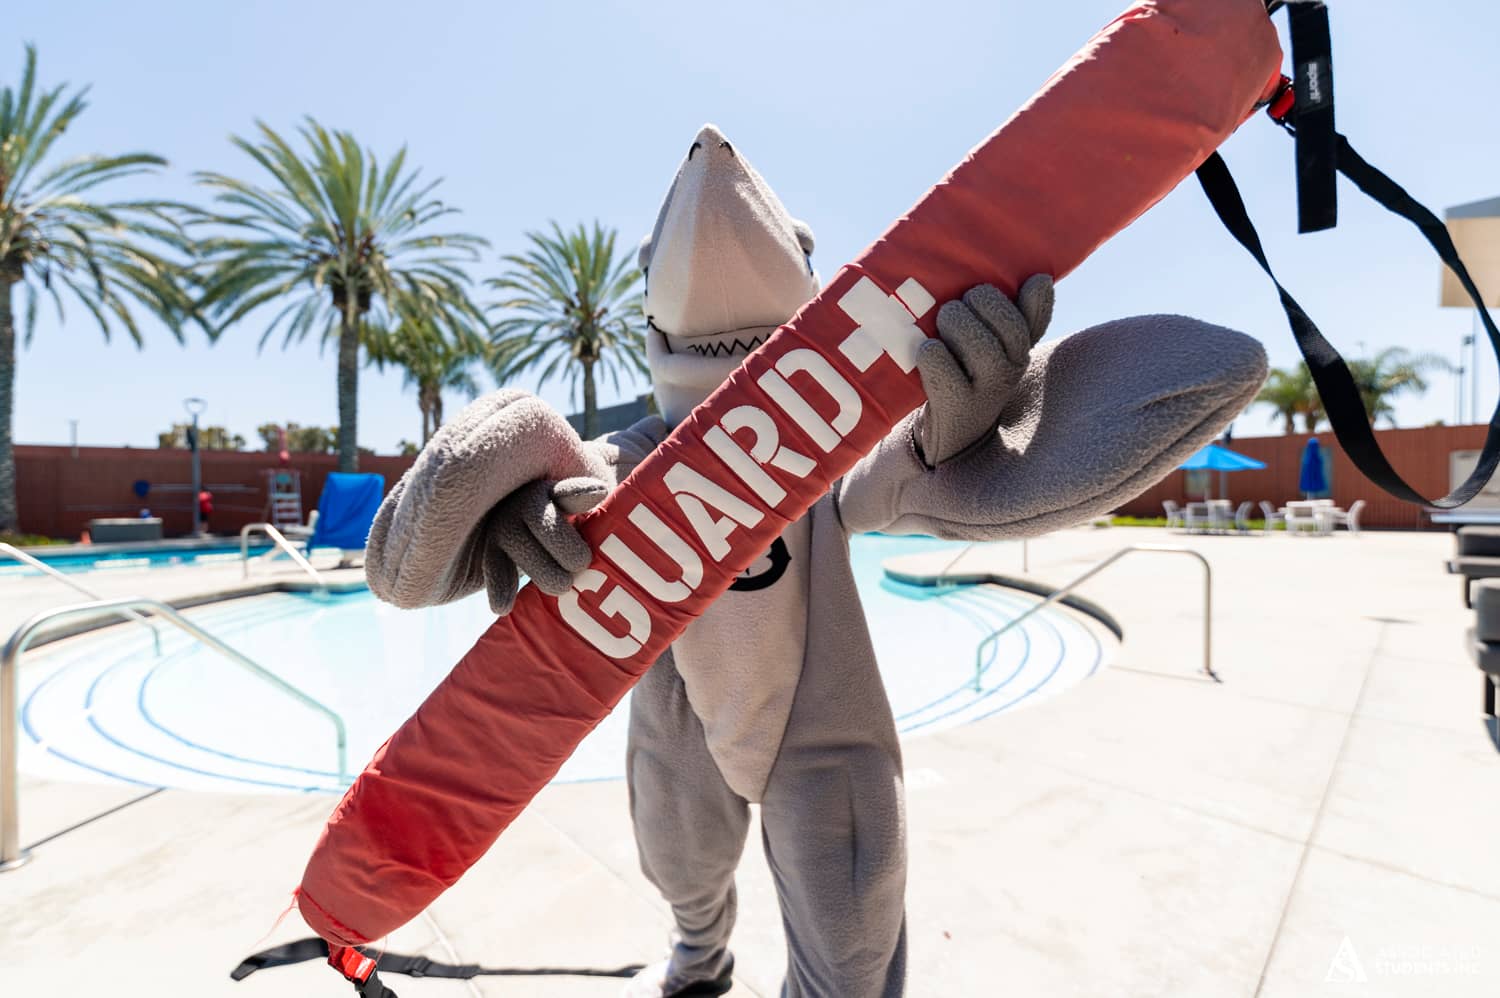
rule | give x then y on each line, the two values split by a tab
734	348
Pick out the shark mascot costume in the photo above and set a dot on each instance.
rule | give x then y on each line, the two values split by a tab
773	697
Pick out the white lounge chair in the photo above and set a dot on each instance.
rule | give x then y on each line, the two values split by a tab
1175	515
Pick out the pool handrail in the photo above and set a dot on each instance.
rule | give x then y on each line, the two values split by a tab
953	562
1057	594
46	569
11	855
281	542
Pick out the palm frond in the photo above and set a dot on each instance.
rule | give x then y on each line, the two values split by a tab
114	256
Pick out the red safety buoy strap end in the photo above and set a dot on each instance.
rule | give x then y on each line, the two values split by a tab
359	970
1282	101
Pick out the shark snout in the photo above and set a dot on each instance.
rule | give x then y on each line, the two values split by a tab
711	139
725	254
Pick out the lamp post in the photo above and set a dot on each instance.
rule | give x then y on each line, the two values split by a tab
195	407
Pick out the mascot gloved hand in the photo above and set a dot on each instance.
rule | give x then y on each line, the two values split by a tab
772	696
972	369
529	531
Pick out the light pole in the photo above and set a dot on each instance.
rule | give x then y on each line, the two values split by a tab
195	407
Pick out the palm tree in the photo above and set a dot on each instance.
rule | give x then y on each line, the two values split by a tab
433	359
55	238
572	308
1389	373
1292	394
339	235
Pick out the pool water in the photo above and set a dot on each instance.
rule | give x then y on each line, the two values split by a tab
73	562
107	707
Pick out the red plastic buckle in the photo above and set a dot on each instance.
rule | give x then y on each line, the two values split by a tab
1282	103
350	962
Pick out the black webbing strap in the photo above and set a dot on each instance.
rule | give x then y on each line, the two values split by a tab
1312	115
314	948
1341	398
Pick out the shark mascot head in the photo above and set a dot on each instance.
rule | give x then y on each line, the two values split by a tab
724	266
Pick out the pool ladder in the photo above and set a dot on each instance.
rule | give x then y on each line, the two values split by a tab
284	545
11	854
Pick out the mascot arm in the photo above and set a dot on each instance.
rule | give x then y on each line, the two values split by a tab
1096	419
430	542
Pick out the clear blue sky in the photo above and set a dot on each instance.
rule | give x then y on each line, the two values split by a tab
850	110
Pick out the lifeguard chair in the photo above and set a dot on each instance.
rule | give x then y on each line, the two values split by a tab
283	499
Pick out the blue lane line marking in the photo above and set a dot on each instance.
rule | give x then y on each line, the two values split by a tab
193	769
238	618
1098	655
994	653
31	733
1062	654
88	704
145	712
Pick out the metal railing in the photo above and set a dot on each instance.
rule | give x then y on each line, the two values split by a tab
10	659
281	542
77	586
1025	558
1208	604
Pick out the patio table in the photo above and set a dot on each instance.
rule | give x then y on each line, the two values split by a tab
1321	514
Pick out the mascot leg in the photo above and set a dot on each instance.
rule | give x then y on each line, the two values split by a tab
690	827
834	838
833	814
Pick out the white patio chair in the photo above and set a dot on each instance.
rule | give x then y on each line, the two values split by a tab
1196	517
1272	517
1350	520
1175	514
1242	516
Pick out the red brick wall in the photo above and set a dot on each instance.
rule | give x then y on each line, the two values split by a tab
1420	455
59	493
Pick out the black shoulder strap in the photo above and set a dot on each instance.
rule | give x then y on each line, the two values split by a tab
1341	398
1304	107
412	966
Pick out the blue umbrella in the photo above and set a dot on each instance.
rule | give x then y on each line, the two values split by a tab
1216	458
1220	459
1312	481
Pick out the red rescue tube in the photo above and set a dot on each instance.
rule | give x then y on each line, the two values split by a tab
1113	131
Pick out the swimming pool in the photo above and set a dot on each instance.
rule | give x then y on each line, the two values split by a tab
133	557
105	707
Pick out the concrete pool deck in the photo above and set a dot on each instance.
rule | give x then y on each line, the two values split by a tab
1318	823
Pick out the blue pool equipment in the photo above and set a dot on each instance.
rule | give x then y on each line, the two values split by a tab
346	509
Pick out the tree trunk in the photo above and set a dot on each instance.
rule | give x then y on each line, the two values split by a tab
429	420
1291	423
9	515
590	403
437	409
349	388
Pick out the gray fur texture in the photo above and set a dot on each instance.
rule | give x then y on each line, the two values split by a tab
971	371
428	544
